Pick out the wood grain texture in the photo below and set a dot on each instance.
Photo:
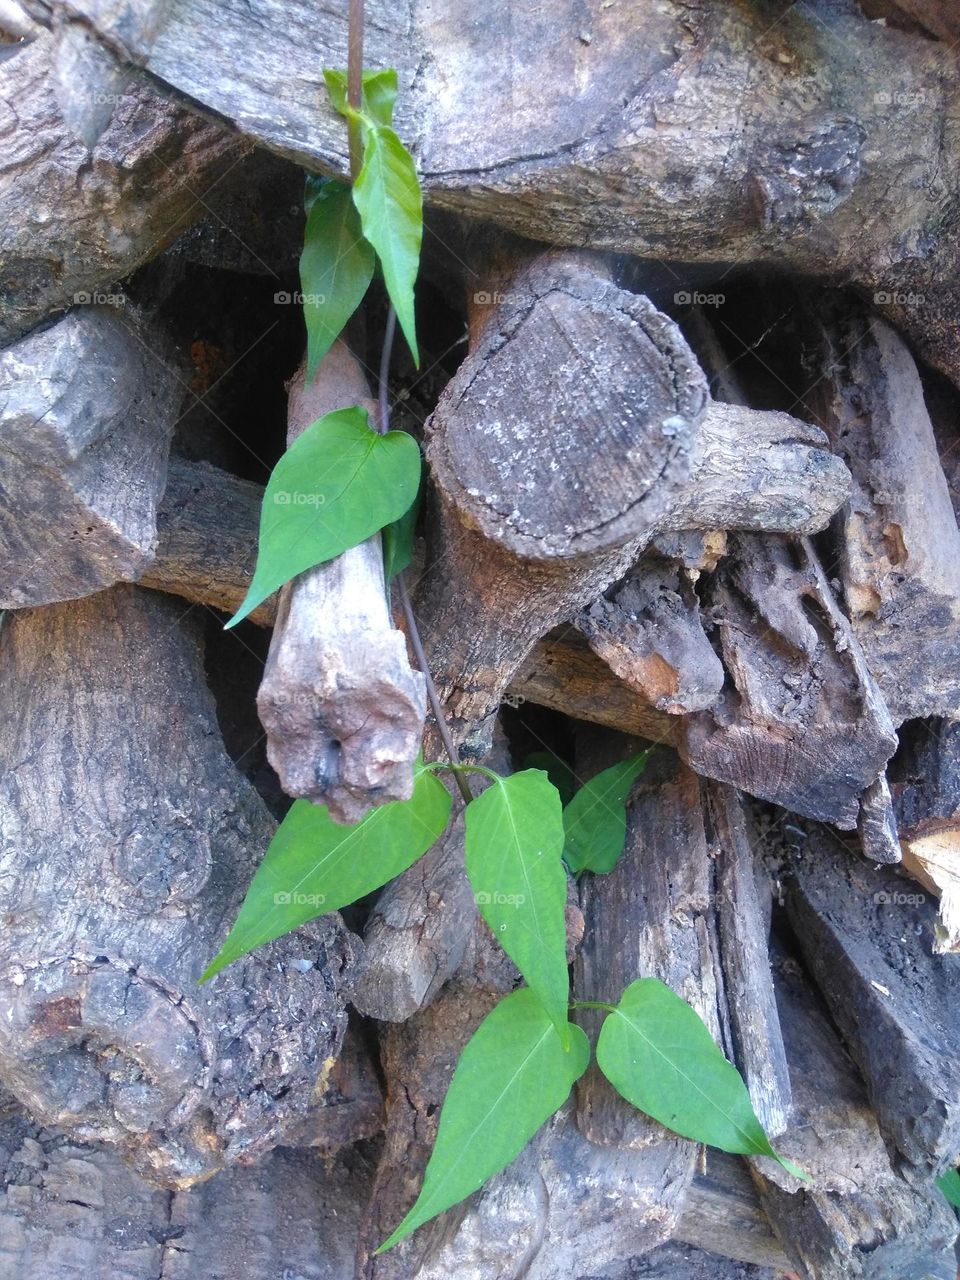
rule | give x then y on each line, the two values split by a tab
773	154
124	863
87	409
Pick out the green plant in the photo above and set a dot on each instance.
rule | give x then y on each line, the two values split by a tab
336	486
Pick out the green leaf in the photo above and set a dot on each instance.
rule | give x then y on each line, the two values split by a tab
557	770
949	1185
514	839
387	194
315	865
337	485
512	1076
336	266
377	97
657	1052
595	820
398	542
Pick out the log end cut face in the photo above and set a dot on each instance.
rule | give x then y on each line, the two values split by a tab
568	429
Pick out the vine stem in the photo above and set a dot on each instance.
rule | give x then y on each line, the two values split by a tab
592	1004
383	426
355	83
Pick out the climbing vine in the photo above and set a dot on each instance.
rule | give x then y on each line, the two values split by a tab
521	839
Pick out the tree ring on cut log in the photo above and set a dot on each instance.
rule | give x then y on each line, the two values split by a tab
81	1025
539	489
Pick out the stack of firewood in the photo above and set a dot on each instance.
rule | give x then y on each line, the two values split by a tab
685	487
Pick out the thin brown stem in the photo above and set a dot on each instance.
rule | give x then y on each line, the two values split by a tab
383	426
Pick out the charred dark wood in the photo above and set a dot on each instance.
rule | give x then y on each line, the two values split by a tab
100	210
123	865
867	937
87	409
858	1218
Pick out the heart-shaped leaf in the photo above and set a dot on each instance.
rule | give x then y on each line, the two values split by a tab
512	1076
337	485
377	98
514	842
315	865
659	1054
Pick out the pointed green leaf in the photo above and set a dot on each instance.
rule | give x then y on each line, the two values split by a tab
378	95
512	1076
658	1053
315	865
387	194
514	839
336	266
595	820
337	485
949	1185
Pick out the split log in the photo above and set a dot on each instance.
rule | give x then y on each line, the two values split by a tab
87	408
722	1214
123	864
858	1219
73	1210
650	917
96	212
531	523
899	542
868	942
756	1041
343	711
927	806
803	724
808	186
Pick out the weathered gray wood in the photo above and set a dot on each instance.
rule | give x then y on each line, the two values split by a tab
633	150
868	941
96	213
87	409
898	539
343	710
877	823
803	723
71	1210
128	841
756	1040
858	1219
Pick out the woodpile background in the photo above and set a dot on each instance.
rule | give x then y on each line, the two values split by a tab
691	319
